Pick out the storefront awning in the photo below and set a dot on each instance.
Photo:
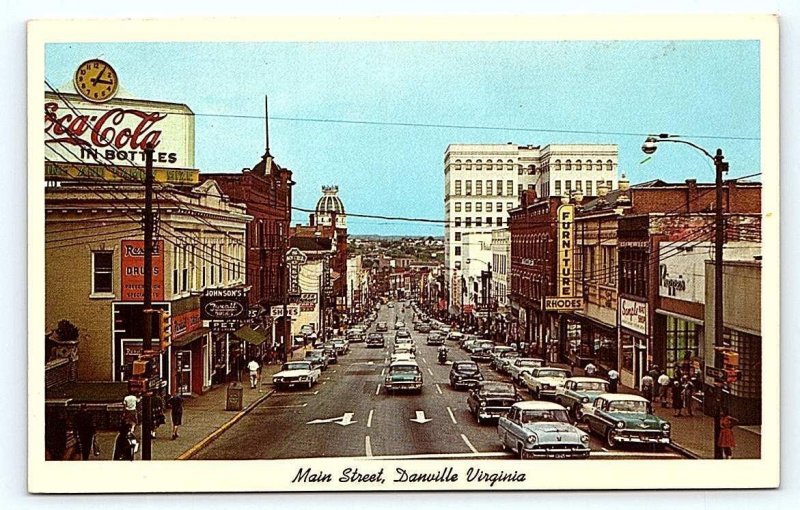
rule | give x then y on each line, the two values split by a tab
190	337
250	335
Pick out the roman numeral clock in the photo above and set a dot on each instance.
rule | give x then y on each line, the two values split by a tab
96	81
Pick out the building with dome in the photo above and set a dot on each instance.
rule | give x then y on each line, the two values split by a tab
330	209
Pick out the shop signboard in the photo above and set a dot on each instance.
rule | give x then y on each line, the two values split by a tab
294	259
560	304
185	323
132	270
291	311
223	305
633	315
566	244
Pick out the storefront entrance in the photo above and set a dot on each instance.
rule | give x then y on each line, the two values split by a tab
183	372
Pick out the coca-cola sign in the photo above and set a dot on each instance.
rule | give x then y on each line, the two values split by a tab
117	132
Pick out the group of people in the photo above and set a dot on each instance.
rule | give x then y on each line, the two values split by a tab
676	392
126	444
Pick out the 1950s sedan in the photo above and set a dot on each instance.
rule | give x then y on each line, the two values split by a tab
535	429
626	419
296	373
579	393
491	400
403	375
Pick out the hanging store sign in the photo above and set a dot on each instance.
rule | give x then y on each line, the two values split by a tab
294	259
223	305
633	315
566	245
291	311
132	264
559	304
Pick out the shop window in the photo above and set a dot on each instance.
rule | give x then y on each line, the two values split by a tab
682	344
102	272
748	384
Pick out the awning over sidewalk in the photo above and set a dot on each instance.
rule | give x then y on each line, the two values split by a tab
190	337
250	335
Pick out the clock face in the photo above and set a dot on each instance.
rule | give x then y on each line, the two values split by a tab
96	81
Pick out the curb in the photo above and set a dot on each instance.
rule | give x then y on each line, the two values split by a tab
683	450
188	454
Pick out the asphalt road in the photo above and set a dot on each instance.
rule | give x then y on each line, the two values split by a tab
348	414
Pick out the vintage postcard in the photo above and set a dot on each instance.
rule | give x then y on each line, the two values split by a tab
399	253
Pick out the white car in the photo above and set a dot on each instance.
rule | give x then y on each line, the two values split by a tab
522	365
296	373
544	381
399	325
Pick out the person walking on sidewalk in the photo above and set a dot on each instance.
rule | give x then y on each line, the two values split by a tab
253	367
125	445
688	394
590	369
677	396
727	442
646	385
663	387
175	403
87	431
130	414
613	380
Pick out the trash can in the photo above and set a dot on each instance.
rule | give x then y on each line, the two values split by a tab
233	400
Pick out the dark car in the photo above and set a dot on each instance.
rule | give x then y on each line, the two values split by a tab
491	400
424	328
465	374
434	339
382	327
376	340
481	355
330	351
317	358
402	333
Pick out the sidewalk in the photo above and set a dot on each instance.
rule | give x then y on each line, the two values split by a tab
202	416
695	434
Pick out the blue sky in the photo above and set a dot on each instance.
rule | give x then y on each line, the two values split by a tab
695	88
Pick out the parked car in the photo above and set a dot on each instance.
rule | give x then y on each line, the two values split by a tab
465	374
424	328
317	358
434	339
330	352
296	373
491	400
480	356
544	381
453	336
521	365
503	360
355	335
578	393
535	429
468	345
382	327
376	340
403	375
626	419
497	351
341	345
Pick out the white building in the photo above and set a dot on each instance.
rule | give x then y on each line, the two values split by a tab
357	284
484	181
501	263
477	260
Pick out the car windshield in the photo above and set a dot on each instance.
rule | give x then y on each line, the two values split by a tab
510	354
552	373
404	369
495	388
628	406
537	416
376	337
313	354
297	365
465	367
529	363
592	386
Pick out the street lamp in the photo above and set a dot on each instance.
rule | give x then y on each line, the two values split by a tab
720	166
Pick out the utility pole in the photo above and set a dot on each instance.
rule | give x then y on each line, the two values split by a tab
147	308
719	326
287	329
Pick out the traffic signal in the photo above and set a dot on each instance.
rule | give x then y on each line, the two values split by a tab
730	359
164	329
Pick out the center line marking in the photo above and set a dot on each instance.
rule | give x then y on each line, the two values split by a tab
452	417
369	419
378	389
367	446
474	450
423	360
438	388
383	371
430	371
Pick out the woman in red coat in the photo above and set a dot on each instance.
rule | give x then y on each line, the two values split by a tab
726	440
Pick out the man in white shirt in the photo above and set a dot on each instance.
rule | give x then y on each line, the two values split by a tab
253	367
129	413
590	369
613	380
663	386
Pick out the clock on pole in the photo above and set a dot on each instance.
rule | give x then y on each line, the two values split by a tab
96	81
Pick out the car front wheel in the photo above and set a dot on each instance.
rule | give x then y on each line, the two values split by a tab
610	441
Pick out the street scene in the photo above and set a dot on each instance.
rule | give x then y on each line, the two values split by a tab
317	266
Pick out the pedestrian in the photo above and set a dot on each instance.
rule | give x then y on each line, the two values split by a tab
646	386
125	446
654	373
727	442
130	413
613	380
175	403
688	394
677	397
87	432
157	406
663	387
590	369
253	367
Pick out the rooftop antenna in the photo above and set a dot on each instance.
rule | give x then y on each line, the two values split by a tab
266	126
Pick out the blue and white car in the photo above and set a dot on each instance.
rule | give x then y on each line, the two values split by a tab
534	429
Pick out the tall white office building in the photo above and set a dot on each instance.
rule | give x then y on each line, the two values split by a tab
484	181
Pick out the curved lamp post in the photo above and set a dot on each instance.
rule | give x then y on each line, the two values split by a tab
721	166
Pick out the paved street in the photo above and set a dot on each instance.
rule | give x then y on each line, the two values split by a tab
380	425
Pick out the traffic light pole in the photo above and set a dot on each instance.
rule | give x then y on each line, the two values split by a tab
147	317
719	326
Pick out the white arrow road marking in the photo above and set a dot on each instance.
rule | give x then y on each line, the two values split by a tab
347	419
369	419
452	417
368	446
439	389
421	418
474	450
